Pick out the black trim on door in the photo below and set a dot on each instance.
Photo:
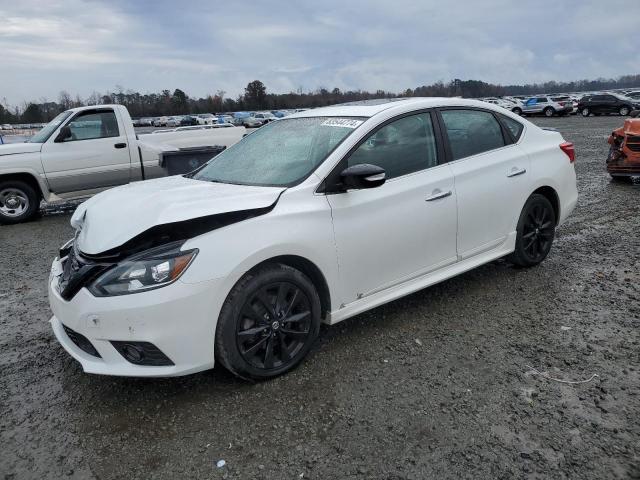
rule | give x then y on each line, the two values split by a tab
330	183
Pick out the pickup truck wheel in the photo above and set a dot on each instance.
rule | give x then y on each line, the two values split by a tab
18	202
268	323
624	111
549	112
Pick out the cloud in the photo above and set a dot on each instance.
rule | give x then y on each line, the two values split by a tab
202	46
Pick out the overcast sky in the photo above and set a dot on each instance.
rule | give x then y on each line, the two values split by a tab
205	46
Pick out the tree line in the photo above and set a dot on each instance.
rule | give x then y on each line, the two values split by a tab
256	97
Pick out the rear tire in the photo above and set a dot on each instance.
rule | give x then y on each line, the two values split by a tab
535	232
624	111
268	323
585	112
517	110
19	202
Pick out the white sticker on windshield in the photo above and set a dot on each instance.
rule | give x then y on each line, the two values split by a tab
342	122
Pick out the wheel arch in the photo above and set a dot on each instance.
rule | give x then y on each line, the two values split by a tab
550	194
308	268
27	178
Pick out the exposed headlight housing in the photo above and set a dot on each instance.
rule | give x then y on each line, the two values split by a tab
145	271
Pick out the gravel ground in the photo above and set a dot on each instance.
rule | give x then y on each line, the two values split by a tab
435	385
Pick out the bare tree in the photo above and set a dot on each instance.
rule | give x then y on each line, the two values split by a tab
64	99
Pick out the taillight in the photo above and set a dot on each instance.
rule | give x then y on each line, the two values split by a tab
567	147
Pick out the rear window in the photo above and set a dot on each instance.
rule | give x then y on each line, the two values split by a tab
514	126
471	132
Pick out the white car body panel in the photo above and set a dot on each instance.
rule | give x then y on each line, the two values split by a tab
173	140
379	250
477	231
371	246
149	203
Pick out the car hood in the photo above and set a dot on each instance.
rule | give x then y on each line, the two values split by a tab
15	148
111	218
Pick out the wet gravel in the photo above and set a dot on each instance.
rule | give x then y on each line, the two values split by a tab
434	385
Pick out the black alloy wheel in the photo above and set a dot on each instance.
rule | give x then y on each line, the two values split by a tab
268	323
274	325
535	232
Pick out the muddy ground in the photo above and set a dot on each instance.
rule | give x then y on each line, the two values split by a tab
435	385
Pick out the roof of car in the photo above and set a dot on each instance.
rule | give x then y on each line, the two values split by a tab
369	108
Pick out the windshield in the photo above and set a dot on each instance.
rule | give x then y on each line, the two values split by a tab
281	153
49	128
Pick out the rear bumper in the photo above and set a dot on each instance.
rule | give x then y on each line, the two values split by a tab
179	320
568	194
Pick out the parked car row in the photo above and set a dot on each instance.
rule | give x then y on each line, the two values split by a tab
597	103
21	126
250	119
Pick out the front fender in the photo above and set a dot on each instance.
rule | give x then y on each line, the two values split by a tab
299	225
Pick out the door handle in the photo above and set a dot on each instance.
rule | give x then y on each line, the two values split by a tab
516	171
120	145
437	194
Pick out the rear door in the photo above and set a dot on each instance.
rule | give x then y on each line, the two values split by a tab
96	155
491	176
404	228
610	104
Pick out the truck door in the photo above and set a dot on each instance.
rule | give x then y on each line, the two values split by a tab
93	153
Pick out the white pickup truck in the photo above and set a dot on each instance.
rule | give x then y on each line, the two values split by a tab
88	149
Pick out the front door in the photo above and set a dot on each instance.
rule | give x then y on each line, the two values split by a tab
95	155
404	228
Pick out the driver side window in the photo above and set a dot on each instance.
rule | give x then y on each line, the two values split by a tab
91	125
404	146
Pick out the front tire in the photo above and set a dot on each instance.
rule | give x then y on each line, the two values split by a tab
585	112
624	111
18	202
268	323
549	112
517	110
535	232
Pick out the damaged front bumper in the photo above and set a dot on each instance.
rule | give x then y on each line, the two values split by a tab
159	333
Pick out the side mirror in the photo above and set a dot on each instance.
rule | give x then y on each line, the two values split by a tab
362	176
65	133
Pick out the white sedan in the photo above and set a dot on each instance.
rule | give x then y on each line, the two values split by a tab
314	218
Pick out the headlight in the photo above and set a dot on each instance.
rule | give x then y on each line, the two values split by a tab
145	271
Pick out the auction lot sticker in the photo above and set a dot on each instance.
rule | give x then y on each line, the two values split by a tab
342	122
